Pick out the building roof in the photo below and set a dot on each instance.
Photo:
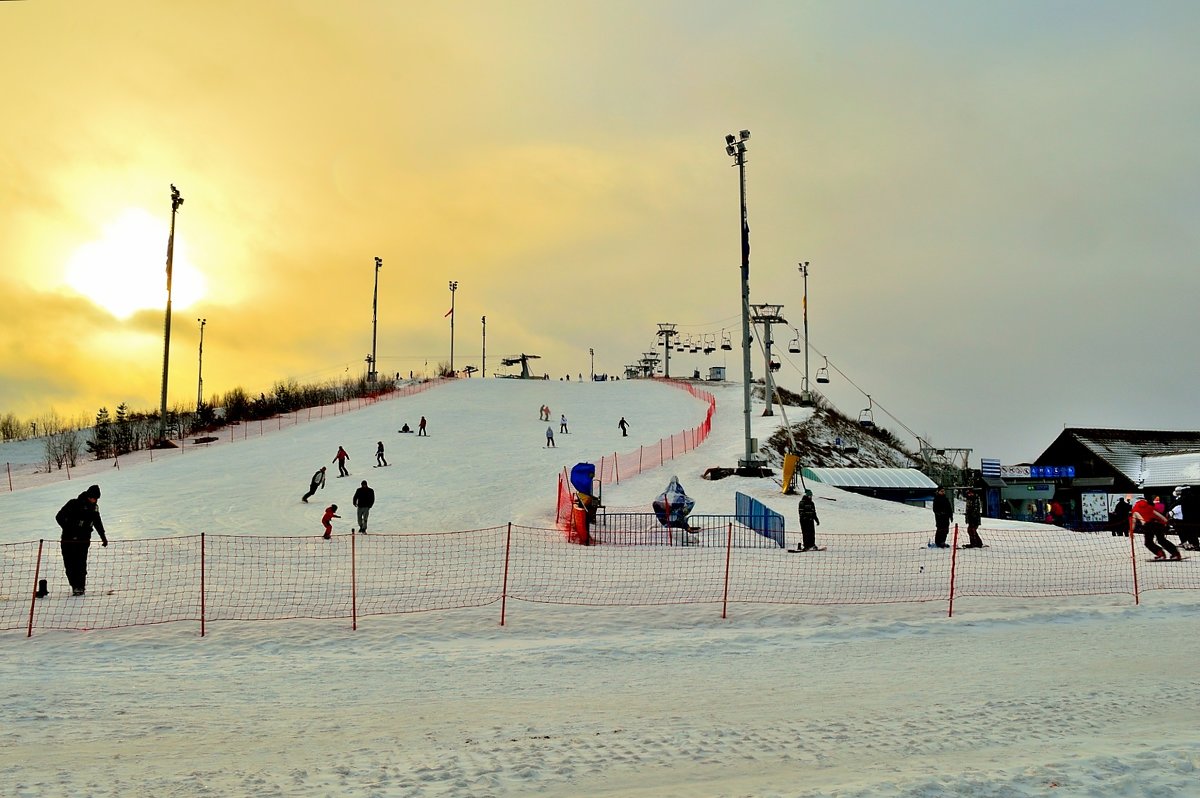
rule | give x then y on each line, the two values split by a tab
1171	469
1135	452
908	478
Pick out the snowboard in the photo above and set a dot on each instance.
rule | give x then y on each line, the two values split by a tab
1166	559
802	551
984	546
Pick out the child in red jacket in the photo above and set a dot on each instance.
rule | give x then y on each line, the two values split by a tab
330	514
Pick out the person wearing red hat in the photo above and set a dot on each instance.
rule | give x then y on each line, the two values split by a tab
77	518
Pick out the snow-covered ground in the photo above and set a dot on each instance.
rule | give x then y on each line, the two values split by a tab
1049	696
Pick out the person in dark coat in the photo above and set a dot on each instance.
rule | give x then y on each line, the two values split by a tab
974	515
624	425
77	518
943	513
317	481
364	500
380	460
421	428
340	458
1119	518
808	522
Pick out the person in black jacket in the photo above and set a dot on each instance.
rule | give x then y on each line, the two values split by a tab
1118	519
974	514
317	481
364	500
808	522
77	518
943	512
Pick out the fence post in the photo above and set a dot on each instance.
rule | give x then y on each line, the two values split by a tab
10	487
353	581
1137	599
616	469
203	608
504	584
953	566
37	573
728	550
660	452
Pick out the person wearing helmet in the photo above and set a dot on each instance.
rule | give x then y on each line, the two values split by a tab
330	514
808	522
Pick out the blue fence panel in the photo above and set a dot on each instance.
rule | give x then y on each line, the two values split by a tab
760	518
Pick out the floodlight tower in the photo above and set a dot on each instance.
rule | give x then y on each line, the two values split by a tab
453	288
805	395
592	355
735	147
200	369
176	201
373	372
483	368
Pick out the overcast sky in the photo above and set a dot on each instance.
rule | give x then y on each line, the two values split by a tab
997	201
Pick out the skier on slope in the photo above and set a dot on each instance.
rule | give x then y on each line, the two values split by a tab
317	481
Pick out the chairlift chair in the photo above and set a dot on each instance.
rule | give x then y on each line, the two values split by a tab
726	341
775	365
823	372
708	345
867	417
794	346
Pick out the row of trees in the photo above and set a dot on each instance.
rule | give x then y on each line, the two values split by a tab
112	435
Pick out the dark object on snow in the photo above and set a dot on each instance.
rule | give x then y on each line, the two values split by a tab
673	506
717	472
42	590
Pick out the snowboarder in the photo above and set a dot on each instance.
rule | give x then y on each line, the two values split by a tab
550	437
421	428
317	481
380	460
562	425
1154	525
405	429
974	515
77	518
330	514
340	458
624	427
808	522
943	513
364	500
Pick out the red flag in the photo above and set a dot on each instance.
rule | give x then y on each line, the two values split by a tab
448	312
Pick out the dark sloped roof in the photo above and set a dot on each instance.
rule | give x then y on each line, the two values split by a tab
1126	449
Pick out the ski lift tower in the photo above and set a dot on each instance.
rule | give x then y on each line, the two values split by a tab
649	363
766	315
947	467
666	331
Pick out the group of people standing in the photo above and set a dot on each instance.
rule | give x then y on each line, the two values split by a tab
943	514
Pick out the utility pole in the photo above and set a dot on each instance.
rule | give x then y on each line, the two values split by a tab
592	355
176	201
200	370
805	396
373	371
483	368
453	288
736	149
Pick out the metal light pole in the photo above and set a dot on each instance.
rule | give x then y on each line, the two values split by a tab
453	288
483	368
176	201
200	369
805	396
735	147
592	355
373	372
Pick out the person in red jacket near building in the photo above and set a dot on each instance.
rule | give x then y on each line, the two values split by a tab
1153	524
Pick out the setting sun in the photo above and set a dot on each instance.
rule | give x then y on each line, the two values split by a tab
125	270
